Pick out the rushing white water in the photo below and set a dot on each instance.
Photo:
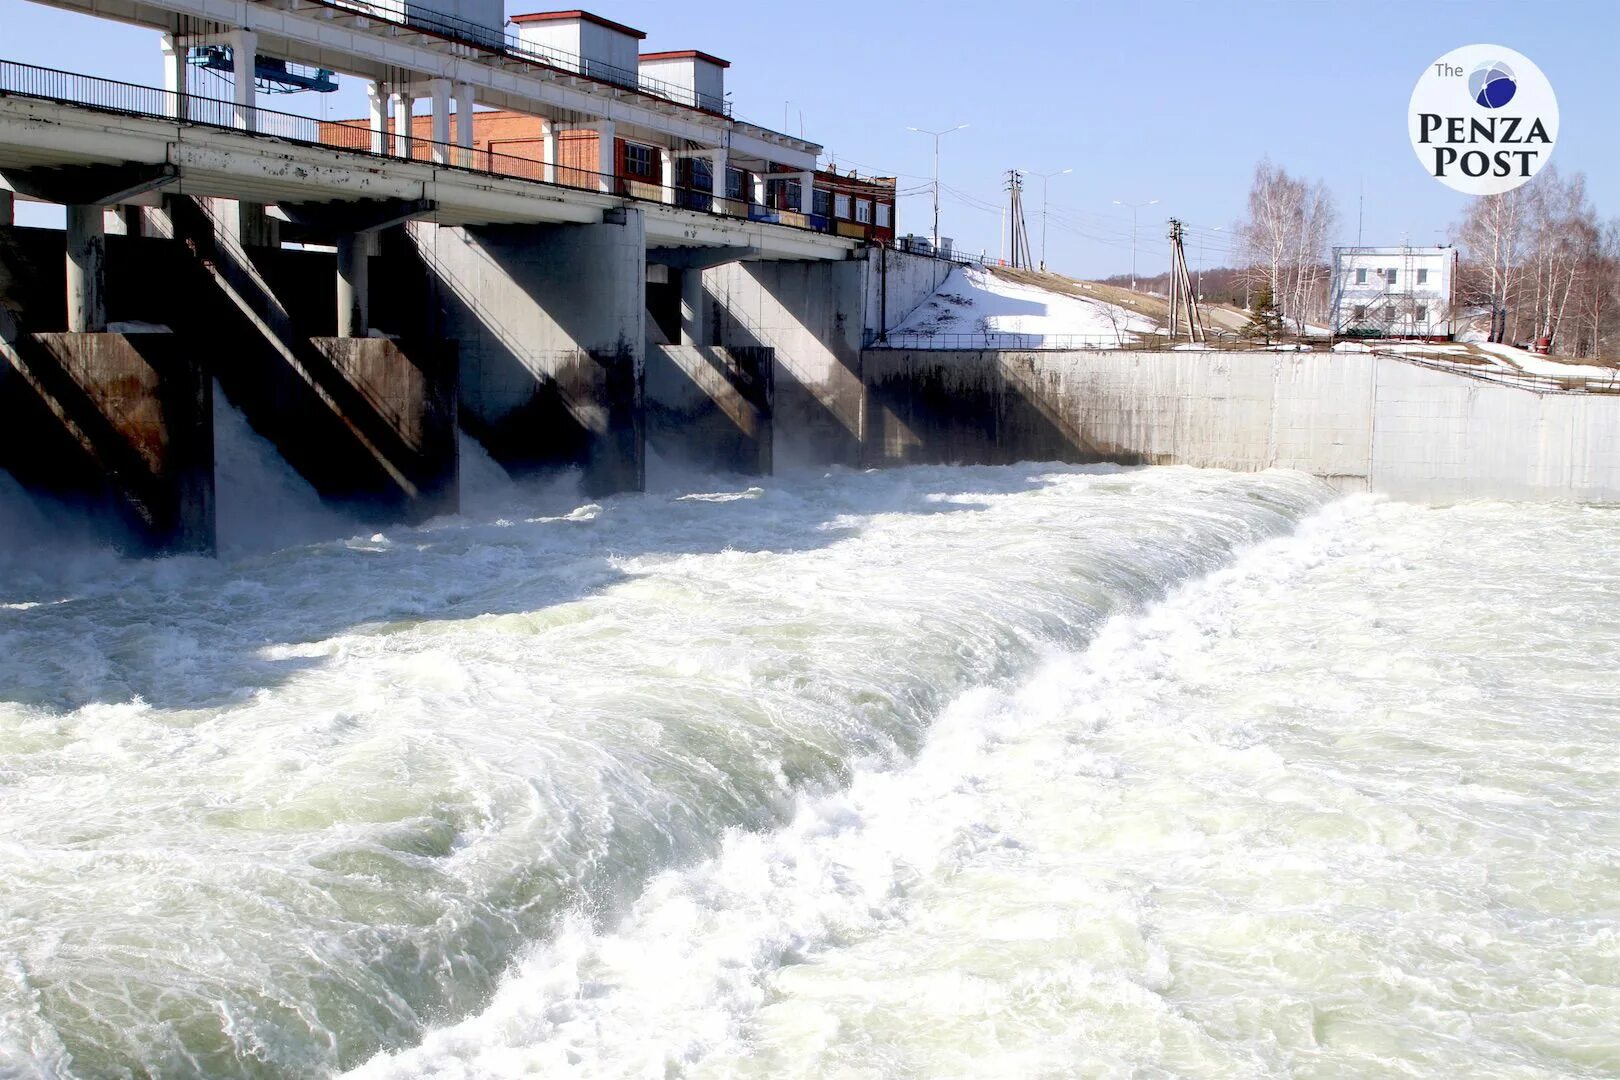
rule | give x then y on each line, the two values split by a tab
893	774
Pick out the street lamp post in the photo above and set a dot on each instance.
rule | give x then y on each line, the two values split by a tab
936	135
1044	178
1216	229
1134	208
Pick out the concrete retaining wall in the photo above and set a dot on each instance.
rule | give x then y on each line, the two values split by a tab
1360	421
897	283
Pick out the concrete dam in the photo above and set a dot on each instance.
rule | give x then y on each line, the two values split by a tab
573	345
363	300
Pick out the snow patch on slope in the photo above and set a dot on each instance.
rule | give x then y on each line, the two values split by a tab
1013	315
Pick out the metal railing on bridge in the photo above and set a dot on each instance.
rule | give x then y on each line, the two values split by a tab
512	46
131	99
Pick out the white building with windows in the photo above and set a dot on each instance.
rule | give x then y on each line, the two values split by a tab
1401	292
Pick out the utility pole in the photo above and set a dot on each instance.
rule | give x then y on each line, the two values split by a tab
1015	215
1134	208
936	135
1044	177
1183	302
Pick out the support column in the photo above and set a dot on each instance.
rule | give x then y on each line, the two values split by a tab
464	123
691	306
402	124
8	208
175	74
86	270
244	48
439	123
552	340
548	151
668	158
717	180
354	285
606	156
807	191
377	99
759	189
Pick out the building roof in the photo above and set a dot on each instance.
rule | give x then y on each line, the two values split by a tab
851	181
549	16
1412	249
687	54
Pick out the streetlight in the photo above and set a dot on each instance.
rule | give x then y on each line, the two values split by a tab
936	135
1044	178
1216	229
1134	208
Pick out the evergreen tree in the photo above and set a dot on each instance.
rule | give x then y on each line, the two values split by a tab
1264	319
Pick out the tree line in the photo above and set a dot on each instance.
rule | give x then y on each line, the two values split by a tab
1541	265
1536	263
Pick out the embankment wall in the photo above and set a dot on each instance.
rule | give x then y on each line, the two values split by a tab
1360	421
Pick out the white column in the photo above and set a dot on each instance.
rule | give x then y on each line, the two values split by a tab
354	285
605	155
759	189
174	73
244	47
548	151
717	177
807	191
439	127
464	123
691	306
402	123
377	97
86	270
668	157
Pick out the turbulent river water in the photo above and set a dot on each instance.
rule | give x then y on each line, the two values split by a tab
1028	771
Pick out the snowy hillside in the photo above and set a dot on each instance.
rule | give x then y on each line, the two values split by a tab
1007	314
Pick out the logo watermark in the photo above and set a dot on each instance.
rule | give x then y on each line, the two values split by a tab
1483	119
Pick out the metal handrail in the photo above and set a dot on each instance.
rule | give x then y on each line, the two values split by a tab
1524	380
1012	342
512	46
132	99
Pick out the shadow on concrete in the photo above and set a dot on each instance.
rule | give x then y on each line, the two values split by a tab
538	409
711	407
810	314
367	422
948	407
195	634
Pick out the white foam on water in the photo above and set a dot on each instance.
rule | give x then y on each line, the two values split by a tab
1239	834
902	773
260	503
281	811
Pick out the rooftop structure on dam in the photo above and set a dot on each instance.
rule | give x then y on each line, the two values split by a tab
605	114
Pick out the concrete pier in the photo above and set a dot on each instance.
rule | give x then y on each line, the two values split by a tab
810	314
365	421
121	424
551	322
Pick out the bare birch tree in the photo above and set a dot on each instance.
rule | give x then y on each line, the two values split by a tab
1285	240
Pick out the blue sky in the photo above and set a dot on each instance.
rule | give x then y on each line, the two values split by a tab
1168	100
